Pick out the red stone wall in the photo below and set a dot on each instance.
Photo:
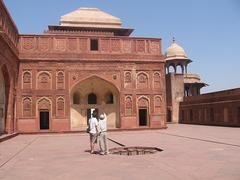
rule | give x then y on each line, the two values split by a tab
218	108
8	66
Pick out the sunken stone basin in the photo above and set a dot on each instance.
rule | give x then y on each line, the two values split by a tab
136	150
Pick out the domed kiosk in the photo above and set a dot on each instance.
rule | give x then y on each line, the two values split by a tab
179	82
176	57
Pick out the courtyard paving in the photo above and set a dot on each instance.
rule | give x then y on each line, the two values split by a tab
189	152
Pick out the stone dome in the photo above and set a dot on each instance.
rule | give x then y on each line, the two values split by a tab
90	17
175	52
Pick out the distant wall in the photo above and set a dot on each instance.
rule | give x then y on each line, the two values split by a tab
219	108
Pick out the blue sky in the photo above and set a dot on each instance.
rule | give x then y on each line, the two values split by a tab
208	30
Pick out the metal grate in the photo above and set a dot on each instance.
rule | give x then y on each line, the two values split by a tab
131	151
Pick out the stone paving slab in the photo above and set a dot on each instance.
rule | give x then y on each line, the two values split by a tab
189	152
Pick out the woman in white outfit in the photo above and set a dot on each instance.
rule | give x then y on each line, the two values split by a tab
103	134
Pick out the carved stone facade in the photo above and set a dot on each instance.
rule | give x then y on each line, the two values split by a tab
62	91
62	78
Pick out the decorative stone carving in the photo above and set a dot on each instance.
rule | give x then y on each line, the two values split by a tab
60	80
74	76
44	104
128	106
133	44
141	46
44	80
27	77
72	44
143	102
43	44
28	43
154	47
60	44
60	106
27	107
116	45
127	46
157	80
27	80
128	77
142	80
157	103
83	44
105	45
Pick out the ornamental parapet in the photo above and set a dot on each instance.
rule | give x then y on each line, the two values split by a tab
71	46
8	29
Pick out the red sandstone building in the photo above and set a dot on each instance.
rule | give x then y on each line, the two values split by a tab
53	81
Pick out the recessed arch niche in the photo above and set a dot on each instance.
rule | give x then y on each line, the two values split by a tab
95	93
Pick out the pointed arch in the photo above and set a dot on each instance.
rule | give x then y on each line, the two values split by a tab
73	86
157	79
44	80
60	82
44	103
142	80
27	79
60	108
143	101
179	69
158	100
128	105
94	91
27	107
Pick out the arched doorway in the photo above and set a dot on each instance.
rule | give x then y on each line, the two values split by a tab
4	93
44	109
169	115
143	111
91	94
2	103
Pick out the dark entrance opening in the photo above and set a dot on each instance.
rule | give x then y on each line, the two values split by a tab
169	115
142	117
44	120
94	45
89	114
92	98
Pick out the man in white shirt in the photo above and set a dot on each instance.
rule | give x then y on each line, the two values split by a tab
103	134
93	130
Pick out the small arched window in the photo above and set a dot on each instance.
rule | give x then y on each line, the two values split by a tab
109	98
92	98
76	98
27	77
60	77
